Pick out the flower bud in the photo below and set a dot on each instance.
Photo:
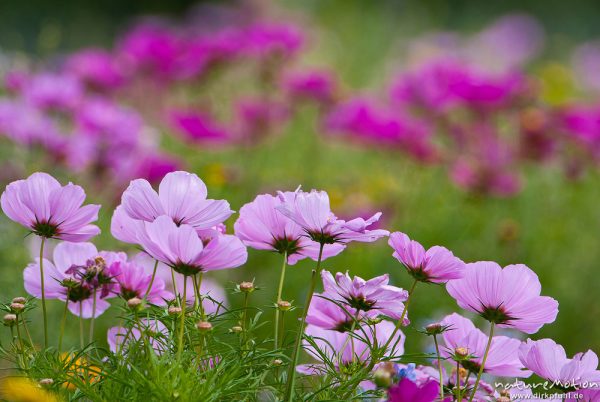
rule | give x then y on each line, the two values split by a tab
283	305
17	307
19	299
277	362
434	329
204	326
10	319
504	392
236	329
46	382
461	352
134	302
382	378
247	287
174	310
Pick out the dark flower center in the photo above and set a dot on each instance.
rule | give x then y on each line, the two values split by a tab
360	303
497	315
286	245
344	326
186	269
471	366
77	293
45	229
419	274
128	293
323	238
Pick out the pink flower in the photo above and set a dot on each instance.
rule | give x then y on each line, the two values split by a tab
77	273
133	281
408	391
502	359
508	297
436	265
261	226
181	196
53	91
48	209
326	314
312	212
264	40
548	360
181	248
372	295
319	86
95	67
155	332
198	127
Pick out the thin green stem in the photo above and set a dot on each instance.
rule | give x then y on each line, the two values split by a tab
182	320
458	396
485	355
439	362
175	285
62	325
401	320
43	292
199	294
279	293
21	347
151	280
292	369
81	342
93	317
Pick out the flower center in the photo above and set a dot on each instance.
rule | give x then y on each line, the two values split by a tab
497	315
186	269
286	245
45	229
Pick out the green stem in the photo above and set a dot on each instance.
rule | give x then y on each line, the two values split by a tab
199	294
279	292
20	340
62	324
439	361
401	320
485	355
81	325
182	321
43	292
292	370
151	280
175	285
93	317
458	396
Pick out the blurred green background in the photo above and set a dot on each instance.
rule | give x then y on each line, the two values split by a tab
552	225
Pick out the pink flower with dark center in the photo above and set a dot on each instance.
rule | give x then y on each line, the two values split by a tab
548	360
374	295
133	281
77	273
435	265
50	210
326	314
181	247
181	196
261	226
312	212
502	359
508	297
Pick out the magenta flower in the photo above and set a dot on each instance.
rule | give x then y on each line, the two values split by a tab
436	265
78	271
372	295
548	360
181	196
155	332
315	85
199	127
181	248
312	212
133	281
408	391
262	227
50	210
502	359
95	67
264	40
53	91
508	297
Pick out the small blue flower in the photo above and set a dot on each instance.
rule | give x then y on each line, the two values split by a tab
408	372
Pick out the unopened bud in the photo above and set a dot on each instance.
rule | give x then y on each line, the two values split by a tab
204	326
236	329
247	287
19	299
134	302
174	310
284	305
10	319
277	362
17	307
461	352
382	378
504	392
503	399
434	329
46	382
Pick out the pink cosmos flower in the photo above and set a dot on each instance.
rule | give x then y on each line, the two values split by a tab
372	295
264	40
181	248
326	314
77	272
508	297
312	212
53	91
408	391
181	196
548	360
95	67
198	127
436	265
342	349
261	226
502	359
154	330
319	86
133	281
50	210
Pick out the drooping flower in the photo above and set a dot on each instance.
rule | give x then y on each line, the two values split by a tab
50	210
408	391
508	297
502	359
548	360
261	226
436	265
78	274
181	196
372	295
181	248
312	212
119	338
